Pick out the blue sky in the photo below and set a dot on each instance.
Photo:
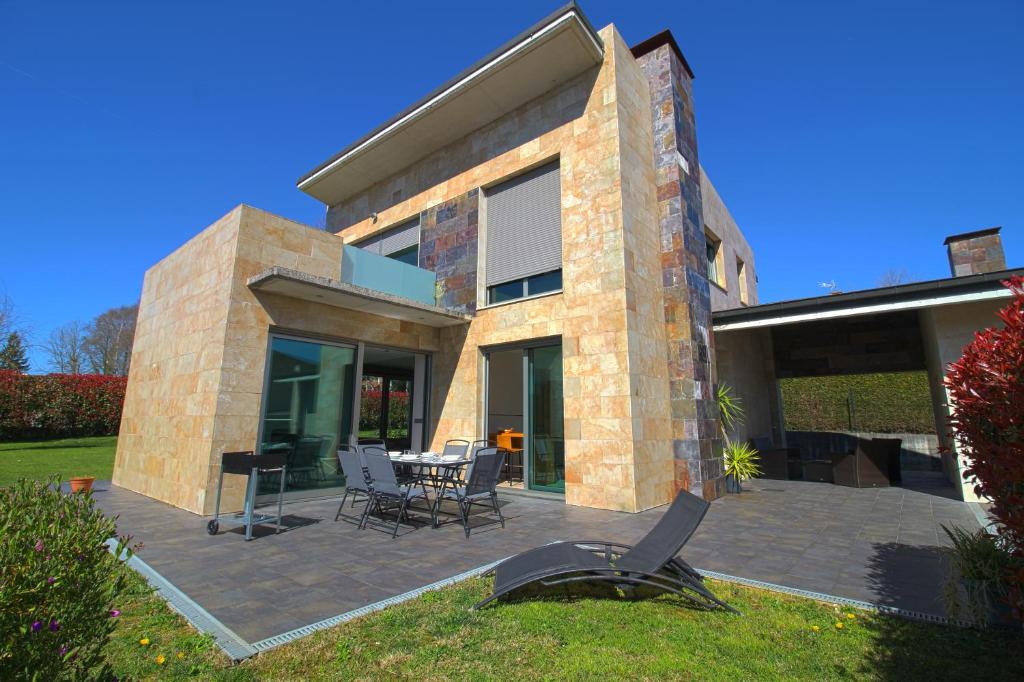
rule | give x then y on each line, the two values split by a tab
846	138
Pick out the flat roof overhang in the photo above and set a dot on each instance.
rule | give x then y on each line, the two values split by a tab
554	51
917	295
295	284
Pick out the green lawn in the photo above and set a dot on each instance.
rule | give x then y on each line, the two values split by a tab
67	457
436	637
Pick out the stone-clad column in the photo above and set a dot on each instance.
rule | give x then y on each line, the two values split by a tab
695	434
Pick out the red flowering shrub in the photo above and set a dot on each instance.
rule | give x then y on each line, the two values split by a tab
60	405
986	387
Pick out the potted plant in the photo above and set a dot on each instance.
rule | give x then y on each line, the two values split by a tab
740	464
740	458
980	563
81	483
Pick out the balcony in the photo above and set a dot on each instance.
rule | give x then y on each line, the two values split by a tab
368	283
379	273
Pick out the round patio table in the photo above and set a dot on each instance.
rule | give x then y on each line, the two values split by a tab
441	474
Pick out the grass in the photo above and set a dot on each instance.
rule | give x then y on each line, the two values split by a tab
67	457
436	637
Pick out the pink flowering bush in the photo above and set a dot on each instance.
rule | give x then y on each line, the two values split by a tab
59	584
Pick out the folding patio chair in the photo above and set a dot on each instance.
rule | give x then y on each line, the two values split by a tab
455	446
385	489
651	562
481	482
355	476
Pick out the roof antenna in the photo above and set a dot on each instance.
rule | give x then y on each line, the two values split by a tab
830	285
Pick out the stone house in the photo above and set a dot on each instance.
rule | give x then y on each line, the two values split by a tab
532	251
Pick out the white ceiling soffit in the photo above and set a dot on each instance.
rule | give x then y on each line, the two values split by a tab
542	60
331	292
853	311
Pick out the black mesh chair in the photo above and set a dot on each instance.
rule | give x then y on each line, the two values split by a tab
455	446
651	562
385	490
351	462
481	482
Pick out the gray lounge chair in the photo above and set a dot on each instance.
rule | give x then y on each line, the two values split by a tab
481	481
651	562
385	491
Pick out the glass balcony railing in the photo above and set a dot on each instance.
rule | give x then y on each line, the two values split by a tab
387	275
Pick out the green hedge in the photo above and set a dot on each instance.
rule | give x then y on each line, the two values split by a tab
895	402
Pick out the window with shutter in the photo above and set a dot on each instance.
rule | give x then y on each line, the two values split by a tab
401	242
524	235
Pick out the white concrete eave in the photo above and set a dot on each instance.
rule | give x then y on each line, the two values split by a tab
855	310
332	292
548	55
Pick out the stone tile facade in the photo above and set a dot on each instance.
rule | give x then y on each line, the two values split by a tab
696	439
197	374
448	247
633	317
975	253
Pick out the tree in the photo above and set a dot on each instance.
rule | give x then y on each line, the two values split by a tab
893	277
6	315
12	355
66	348
108	340
986	390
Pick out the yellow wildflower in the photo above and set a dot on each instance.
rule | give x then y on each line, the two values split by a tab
144	641
850	616
839	626
815	628
160	659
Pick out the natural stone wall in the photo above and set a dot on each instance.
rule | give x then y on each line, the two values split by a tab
448	247
617	430
734	248
196	383
976	253
687	299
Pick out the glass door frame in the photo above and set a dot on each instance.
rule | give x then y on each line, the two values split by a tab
352	438
302	338
524	347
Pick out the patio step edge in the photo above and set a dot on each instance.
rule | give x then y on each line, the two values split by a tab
236	648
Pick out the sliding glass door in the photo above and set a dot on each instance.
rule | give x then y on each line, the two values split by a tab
545	432
524	413
307	411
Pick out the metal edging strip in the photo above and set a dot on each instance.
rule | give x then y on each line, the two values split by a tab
292	635
236	648
833	599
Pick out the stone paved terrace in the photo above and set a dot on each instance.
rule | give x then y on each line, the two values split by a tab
877	545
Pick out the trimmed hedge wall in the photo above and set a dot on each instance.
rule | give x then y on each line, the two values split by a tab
895	402
59	405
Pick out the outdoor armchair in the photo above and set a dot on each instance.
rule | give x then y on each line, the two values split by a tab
385	490
651	562
480	487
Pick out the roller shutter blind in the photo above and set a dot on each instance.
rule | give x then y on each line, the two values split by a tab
393	240
524	225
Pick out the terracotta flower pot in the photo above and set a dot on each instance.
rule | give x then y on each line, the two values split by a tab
81	483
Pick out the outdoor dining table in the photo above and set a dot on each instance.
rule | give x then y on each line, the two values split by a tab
441	473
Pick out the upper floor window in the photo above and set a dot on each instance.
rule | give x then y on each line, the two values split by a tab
524	235
715	257
741	275
401	243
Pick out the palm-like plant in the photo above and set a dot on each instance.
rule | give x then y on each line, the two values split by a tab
741	461
730	409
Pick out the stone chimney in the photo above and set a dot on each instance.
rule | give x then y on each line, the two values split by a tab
973	253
